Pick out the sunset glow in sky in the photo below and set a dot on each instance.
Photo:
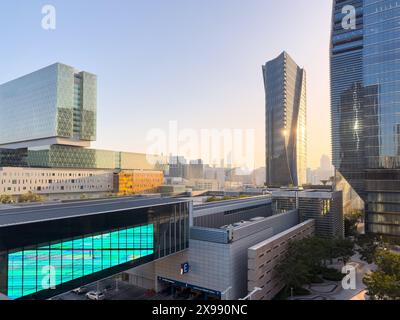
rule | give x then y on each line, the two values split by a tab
191	61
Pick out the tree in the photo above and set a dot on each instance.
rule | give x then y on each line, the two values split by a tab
84	196
6	199
351	223
30	197
367	247
306	260
293	271
342	249
384	284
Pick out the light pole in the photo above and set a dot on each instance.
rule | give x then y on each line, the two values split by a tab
251	294
116	283
226	292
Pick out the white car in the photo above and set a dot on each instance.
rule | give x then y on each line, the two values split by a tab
81	290
92	295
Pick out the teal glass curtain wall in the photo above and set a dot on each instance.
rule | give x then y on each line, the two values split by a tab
40	268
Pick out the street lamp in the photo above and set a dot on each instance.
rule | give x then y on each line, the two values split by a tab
251	294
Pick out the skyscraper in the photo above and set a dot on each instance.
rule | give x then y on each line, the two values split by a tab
365	106
286	136
55	105
49	121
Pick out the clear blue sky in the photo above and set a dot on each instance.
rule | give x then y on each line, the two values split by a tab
195	61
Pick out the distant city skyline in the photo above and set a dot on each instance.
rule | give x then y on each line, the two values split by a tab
158	62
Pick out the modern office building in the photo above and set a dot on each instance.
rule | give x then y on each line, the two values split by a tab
325	207
45	135
51	121
365	104
286	134
55	105
217	257
51	250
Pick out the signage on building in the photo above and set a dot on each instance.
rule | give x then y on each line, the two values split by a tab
185	268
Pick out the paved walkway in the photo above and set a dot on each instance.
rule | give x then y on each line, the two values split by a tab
330	290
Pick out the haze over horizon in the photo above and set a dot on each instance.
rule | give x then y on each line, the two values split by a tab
198	63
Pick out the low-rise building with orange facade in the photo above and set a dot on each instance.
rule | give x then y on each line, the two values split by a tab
137	181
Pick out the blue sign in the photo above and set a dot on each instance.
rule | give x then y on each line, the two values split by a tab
185	268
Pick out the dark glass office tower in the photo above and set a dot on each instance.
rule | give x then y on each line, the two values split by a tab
365	84
286	136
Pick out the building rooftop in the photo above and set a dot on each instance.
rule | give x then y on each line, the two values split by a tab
233	202
280	235
308	193
44	212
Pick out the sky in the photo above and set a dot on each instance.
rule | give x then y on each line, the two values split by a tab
197	62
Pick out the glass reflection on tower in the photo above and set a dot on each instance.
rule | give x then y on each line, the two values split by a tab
365	106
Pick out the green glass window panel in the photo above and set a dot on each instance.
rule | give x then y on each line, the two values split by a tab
55	263
114	258
129	238
15	268
78	263
98	242
67	266
67	245
122	239
43	263
106	240
97	260
88	256
106	259
114	240
56	246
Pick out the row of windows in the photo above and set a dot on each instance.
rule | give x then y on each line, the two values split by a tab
50	181
57	188
43	174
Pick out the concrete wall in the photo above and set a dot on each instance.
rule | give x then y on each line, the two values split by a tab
209	265
222	267
264	257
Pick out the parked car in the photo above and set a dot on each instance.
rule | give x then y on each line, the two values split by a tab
81	290
92	295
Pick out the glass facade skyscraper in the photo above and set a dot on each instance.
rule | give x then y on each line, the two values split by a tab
365	105
51	117
286	135
54	105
